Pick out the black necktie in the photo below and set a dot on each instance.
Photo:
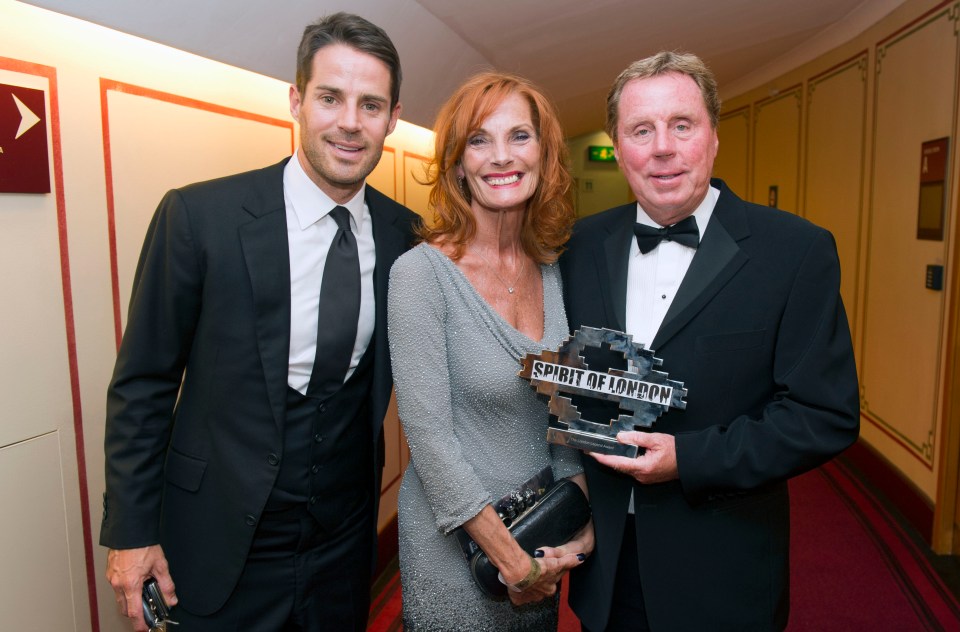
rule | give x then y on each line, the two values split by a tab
684	232
339	309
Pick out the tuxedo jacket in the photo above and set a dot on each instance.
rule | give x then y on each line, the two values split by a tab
758	335
197	402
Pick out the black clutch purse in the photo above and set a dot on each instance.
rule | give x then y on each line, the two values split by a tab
553	519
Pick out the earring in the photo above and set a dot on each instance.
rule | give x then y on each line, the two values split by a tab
460	182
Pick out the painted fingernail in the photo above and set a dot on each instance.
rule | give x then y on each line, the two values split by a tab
581	556
538	553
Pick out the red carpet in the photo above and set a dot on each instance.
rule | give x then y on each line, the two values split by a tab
853	567
385	606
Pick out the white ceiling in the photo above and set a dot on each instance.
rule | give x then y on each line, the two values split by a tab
572	48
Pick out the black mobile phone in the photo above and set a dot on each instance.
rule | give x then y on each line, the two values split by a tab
155	610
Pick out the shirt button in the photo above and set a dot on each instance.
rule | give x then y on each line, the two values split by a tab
273	459
322	408
251	520
313	500
318	437
315	469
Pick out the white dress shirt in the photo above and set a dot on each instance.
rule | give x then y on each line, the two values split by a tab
310	231
654	278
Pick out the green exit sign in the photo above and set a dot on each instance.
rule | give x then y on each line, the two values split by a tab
598	153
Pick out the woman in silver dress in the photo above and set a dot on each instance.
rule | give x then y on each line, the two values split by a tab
464	307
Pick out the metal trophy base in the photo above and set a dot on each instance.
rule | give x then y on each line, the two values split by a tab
591	442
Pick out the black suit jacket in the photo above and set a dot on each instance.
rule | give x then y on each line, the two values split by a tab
196	406
758	334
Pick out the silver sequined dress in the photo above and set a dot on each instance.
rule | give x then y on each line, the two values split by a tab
476	432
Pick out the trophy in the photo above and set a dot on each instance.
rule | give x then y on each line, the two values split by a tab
641	392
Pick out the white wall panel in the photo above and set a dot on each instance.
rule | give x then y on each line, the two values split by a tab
835	164
776	149
158	142
916	77
36	592
732	164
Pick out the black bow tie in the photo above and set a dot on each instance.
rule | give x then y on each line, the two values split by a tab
684	232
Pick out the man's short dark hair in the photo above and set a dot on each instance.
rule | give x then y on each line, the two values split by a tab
355	32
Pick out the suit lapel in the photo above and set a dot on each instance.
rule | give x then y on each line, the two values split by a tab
391	241
612	259
267	256
718	258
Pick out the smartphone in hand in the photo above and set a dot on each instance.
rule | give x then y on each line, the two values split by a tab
156	613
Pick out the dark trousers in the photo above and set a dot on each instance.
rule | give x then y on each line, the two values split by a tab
627	611
297	578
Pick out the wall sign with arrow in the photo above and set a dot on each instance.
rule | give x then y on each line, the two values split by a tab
24	161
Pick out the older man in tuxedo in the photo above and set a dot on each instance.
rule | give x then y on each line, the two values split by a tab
244	418
742	304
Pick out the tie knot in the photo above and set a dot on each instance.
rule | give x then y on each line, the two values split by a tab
342	217
684	232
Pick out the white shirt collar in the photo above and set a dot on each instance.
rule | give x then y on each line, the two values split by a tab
309	203
702	213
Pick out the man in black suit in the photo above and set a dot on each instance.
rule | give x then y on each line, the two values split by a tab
742	304
244	417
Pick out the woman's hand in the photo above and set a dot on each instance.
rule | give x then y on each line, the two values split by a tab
488	531
581	544
555	563
552	568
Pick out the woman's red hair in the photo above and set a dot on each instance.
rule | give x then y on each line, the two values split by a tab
549	216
